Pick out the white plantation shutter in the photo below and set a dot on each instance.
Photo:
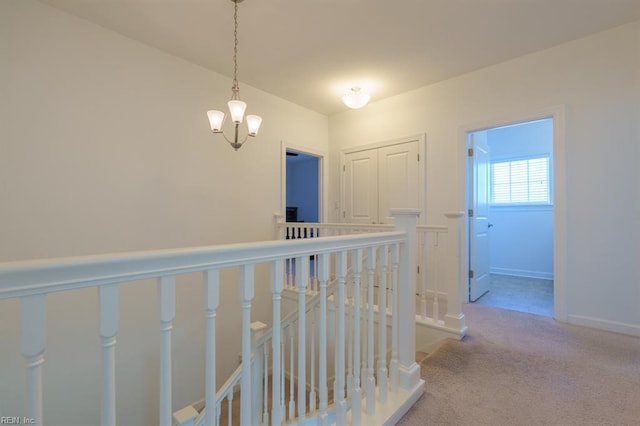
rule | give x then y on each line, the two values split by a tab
520	181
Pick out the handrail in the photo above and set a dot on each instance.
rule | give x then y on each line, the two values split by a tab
325	225
25	278
377	227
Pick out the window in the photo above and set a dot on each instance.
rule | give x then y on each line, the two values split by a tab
523	181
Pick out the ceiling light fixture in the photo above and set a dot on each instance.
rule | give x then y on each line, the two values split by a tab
236	106
356	98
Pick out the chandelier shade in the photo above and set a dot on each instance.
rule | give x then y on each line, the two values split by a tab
253	124
216	118
236	107
356	98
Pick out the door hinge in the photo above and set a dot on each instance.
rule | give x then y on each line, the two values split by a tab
344	168
418	269
344	214
418	157
470	152
470	212
470	274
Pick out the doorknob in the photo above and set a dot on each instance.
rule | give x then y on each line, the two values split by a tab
490	225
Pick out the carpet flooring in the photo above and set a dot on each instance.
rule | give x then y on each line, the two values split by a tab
520	369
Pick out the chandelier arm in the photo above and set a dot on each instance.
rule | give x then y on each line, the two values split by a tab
234	142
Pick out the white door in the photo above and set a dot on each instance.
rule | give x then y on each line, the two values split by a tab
379	179
398	179
479	278
361	187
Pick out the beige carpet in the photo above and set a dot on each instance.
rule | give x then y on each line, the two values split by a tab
522	369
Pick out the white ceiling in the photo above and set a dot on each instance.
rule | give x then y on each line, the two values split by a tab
311	51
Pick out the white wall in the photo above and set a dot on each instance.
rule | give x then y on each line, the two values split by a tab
105	147
598	80
521	239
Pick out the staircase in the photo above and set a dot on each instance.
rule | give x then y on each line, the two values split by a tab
363	300
347	346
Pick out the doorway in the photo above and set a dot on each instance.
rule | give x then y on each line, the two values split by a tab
510	199
302	186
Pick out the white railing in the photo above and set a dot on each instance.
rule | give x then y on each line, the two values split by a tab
31	282
439	283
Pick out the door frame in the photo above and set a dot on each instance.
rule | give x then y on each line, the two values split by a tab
421	138
323	173
557	113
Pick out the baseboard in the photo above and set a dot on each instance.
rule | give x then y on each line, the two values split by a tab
602	324
523	273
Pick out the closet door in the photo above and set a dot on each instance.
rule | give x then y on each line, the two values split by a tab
398	179
361	187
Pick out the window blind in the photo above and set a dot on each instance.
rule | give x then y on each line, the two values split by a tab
520	181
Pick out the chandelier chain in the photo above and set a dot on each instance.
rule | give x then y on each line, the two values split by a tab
235	87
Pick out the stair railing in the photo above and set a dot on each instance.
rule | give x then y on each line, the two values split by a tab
440	283
31	282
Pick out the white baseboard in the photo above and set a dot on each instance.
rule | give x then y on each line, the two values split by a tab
523	273
602	324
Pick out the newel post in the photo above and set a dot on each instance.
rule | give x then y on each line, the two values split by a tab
406	221
278	219
455	284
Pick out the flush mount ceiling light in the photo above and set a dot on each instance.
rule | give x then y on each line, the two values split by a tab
236	106
356	98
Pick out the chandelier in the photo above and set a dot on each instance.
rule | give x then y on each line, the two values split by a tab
356	98
236	106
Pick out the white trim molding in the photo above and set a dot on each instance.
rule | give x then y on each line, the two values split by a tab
607	325
557	113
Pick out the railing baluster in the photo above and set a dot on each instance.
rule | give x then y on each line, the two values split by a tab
383	259
290	274
340	300
276	291
246	295
423	262
312	370
258	367
212	299
283	410
356	408
350	317
436	284
302	278
230	408
363	327
323	277
167	296
371	382
33	320
108	300
292	403
393	366
335	353
265	403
